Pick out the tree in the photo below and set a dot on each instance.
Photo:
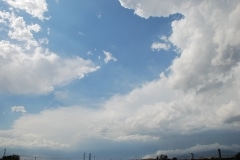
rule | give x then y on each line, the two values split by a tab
163	157
237	156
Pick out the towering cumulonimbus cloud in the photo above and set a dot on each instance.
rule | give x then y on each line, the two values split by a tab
206	71
207	37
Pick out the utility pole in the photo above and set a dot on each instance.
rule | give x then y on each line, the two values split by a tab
4	153
192	156
219	153
89	158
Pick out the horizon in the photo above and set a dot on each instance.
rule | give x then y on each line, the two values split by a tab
90	156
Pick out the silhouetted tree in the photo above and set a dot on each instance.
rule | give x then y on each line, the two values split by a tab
11	157
163	157
237	156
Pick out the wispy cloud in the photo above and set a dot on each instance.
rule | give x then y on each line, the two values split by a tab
108	57
99	16
160	46
18	109
81	34
137	137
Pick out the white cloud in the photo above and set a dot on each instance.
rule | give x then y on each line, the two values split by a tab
18	29
18	109
159	46
164	44
145	114
156	8
38	72
27	67
36	8
200	93
207	69
196	149
47	124
108	57
22	32
137	137
14	139
43	41
48	31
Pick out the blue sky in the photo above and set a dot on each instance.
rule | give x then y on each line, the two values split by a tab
119	79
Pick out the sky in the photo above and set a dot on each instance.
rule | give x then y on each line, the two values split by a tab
120	79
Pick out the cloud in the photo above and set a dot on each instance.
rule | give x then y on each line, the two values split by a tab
89	53
26	66
200	93
99	16
137	137
156	8
19	30
59	120
81	34
108	57
207	69
13	139
18	109
38	72
163	45
198	148
36	8
159	46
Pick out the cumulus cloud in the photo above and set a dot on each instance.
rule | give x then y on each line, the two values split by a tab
19	30
154	8
26	66
38	72
18	109
108	57
36	8
206	73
